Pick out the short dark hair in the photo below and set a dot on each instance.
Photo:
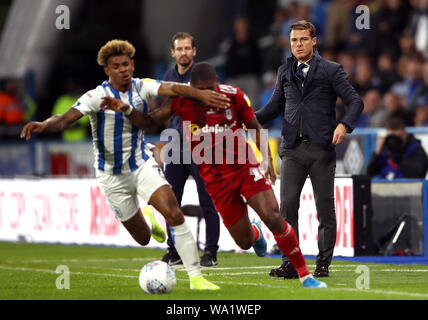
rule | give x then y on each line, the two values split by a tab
304	25
395	123
203	71
182	36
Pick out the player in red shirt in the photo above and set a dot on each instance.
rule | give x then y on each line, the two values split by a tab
233	178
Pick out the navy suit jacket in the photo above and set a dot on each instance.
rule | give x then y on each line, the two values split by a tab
311	109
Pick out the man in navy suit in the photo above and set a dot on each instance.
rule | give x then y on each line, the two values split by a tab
305	95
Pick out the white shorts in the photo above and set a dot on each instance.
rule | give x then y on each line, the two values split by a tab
121	190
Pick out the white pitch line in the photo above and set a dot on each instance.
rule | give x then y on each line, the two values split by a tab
376	291
237	273
75	273
154	259
215	269
84	260
337	268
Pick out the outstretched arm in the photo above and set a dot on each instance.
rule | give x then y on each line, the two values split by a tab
207	97
145	121
55	123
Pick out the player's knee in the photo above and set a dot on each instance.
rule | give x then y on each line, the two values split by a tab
275	223
174	216
272	217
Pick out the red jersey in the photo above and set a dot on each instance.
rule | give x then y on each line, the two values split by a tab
218	142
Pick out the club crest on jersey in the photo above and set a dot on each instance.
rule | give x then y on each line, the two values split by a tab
229	114
138	103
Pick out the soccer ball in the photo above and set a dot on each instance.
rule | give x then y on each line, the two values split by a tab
157	277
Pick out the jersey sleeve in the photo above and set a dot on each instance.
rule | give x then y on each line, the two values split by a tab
244	108
148	88
88	103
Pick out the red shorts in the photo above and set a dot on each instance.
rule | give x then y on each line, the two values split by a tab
230	194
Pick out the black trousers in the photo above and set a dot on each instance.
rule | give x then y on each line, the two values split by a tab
320	164
177	175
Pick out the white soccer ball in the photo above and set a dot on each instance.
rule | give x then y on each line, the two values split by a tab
157	277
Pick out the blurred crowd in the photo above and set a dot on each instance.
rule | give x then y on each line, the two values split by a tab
387	63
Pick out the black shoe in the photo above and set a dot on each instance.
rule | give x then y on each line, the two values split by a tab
286	271
172	258
321	271
209	260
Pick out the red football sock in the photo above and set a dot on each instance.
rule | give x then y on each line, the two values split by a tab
255	232
289	245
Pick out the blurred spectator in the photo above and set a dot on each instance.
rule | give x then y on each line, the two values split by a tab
421	95
328	55
347	61
15	108
364	79
421	117
272	50
386	72
357	38
80	130
374	115
395	107
11	110
338	20
418	25
243	60
398	155
412	82
401	67
421	100
319	19
387	25
407	44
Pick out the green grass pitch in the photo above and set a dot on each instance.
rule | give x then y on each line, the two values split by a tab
28	272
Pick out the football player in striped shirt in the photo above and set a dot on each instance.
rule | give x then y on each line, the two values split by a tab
124	164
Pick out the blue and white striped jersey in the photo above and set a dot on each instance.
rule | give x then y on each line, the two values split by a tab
119	147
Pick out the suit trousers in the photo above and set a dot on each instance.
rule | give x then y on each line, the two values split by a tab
319	163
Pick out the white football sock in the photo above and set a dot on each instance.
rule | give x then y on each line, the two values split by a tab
187	250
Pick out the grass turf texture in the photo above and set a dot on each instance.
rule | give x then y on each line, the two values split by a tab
27	271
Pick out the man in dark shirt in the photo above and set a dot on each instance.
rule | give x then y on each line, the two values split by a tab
184	51
305	95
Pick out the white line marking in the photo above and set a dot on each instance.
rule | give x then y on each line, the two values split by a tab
84	260
333	268
76	273
382	292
